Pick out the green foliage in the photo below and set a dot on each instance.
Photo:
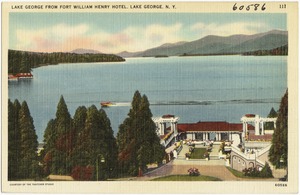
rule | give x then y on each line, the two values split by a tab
111	149
59	141
79	118
96	140
193	172
75	146
14	140
23	61
283	50
22	143
222	146
138	143
28	144
63	119
82	173
199	153
270	125
278	154
266	172
251	172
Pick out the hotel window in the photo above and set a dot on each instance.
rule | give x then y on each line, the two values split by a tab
239	161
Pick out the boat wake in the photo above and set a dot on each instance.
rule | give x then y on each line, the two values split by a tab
214	102
121	104
203	102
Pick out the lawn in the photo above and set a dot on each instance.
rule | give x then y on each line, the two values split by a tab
198	153
186	178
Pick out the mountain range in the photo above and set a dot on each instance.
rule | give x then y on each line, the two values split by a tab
85	51
217	45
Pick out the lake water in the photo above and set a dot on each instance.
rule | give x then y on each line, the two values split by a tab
206	88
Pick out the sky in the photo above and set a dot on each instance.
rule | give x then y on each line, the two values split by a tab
117	32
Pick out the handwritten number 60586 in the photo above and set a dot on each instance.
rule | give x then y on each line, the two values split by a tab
249	7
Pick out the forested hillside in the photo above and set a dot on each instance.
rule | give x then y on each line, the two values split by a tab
283	50
23	61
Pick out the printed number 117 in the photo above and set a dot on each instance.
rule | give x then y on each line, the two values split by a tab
282	6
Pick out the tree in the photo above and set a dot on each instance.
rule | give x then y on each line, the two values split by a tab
278	154
63	119
270	125
74	146
266	172
13	141
79	119
64	141
59	141
112	149
79	125
49	147
28	144
96	141
148	137
137	140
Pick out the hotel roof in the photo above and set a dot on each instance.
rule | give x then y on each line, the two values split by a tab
220	126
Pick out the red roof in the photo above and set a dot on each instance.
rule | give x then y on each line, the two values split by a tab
212	126
168	116
250	115
10	76
24	75
253	137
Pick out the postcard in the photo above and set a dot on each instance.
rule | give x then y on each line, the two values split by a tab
150	97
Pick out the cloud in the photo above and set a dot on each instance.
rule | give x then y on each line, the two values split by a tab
64	37
51	38
228	29
136	38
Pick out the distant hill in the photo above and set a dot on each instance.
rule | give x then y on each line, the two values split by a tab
126	54
219	45
85	51
168	45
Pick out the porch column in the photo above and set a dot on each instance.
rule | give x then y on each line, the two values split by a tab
257	123
162	130
262	128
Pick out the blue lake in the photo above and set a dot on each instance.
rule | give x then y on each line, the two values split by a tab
206	88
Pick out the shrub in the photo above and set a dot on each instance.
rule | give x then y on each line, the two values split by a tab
222	147
82	173
191	149
266	172
188	155
251	172
193	172
206	154
209	149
